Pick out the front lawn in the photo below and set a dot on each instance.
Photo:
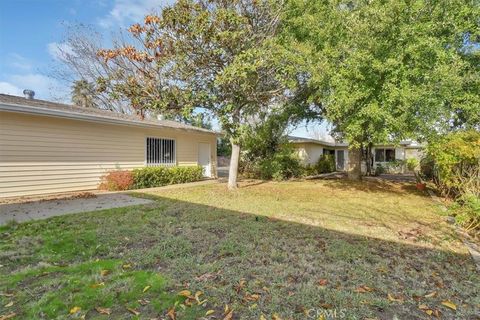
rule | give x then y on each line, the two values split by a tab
292	250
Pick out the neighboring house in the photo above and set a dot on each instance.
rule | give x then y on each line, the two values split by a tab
388	156
47	147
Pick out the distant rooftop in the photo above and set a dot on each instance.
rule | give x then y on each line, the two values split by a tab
36	106
294	139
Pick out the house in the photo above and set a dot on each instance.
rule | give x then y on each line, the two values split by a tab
48	147
389	156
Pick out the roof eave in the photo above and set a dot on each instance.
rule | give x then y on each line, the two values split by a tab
91	118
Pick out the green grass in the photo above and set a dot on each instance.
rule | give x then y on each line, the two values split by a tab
260	250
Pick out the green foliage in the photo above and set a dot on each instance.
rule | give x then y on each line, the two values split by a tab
325	164
466	211
379	169
283	164
391	69
149	177
457	162
412	164
224	147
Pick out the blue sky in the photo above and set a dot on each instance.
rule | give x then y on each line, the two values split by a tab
31	30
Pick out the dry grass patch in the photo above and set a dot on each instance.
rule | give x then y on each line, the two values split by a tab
298	250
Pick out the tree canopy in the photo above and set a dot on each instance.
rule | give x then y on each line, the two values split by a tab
217	54
389	70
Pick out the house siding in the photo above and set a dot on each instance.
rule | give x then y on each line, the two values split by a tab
43	154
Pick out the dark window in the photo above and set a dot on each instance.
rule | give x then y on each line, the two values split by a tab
389	155
379	155
160	152
384	155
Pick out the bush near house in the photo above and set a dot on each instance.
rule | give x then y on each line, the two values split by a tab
325	164
456	172
117	181
150	177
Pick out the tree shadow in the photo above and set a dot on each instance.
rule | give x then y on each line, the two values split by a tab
283	262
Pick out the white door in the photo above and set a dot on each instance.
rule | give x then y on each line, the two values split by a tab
204	158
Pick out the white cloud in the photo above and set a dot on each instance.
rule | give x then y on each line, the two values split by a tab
57	50
129	11
19	62
8	88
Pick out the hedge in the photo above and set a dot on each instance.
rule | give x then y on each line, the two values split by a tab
161	176
150	177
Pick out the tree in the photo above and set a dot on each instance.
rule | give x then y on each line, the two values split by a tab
219	55
83	94
390	70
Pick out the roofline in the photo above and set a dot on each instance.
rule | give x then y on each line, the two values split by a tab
92	118
345	145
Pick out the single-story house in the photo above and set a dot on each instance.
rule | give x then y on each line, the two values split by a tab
47	147
388	156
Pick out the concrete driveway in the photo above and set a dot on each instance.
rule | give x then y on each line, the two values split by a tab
48	208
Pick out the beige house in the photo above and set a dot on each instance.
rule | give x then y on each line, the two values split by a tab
47	147
387	156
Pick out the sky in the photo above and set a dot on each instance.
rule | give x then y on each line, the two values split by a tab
32	30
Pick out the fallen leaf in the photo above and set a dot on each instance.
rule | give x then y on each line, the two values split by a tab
322	282
202	302
431	294
276	317
8	305
127	266
197	295
133	311
423	307
8	316
171	313
241	285
449	304
364	289
185	293
143	302
209	312
75	310
266	289
146	289
229	315
262	317
103	310
103	273
252	297
96	285
393	298
429	312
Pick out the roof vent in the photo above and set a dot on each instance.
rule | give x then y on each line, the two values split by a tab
29	94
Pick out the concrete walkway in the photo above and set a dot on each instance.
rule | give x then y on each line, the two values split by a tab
48	208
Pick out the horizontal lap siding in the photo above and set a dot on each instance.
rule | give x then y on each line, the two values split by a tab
40	154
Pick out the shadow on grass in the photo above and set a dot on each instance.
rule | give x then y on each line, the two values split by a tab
255	264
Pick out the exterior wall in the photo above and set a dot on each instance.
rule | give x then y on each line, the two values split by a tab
41	154
309	153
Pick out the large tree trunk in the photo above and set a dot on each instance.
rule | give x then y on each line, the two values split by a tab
233	171
355	164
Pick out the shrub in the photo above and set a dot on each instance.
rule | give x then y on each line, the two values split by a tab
379	169
412	164
466	211
456	158
160	176
283	165
117	181
325	164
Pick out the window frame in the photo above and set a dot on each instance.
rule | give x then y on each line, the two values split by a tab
169	164
384	153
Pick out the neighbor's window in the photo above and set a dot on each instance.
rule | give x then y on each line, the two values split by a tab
384	155
160	152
